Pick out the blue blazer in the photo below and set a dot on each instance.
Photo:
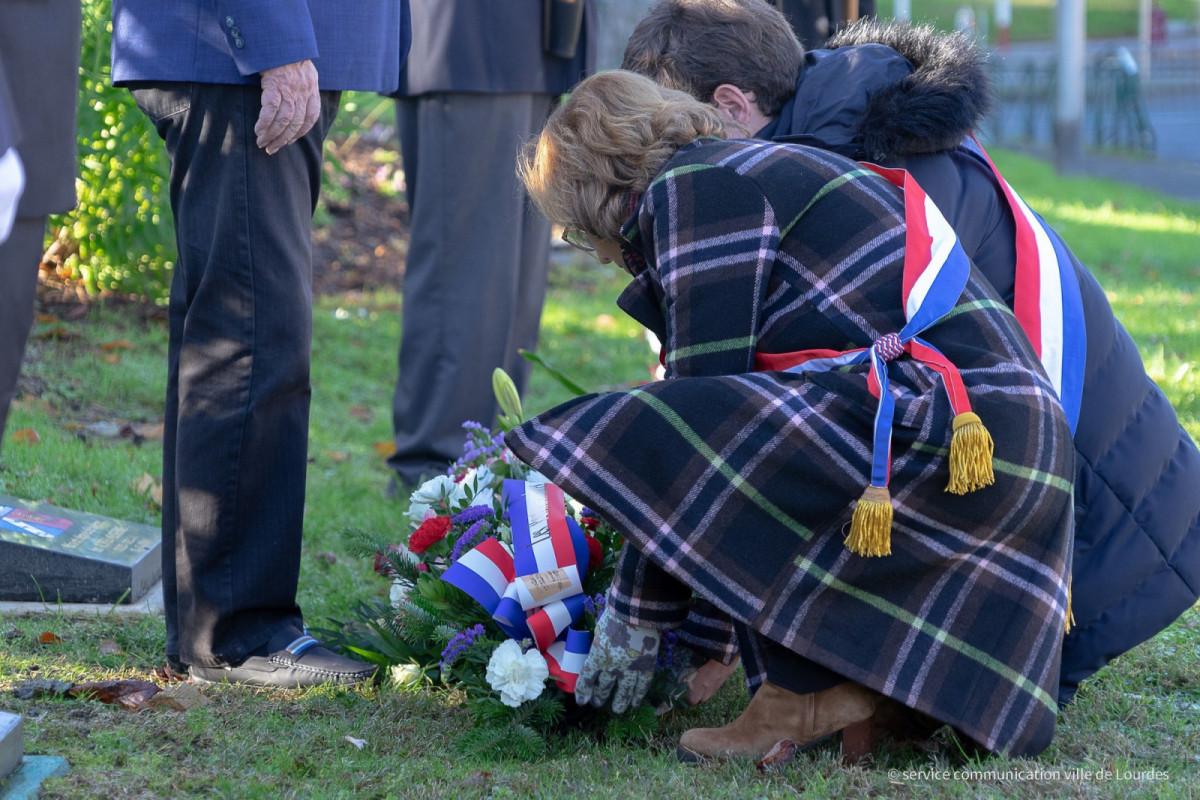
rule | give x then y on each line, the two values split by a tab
355	44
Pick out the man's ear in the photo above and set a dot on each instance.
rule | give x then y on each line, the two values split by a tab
735	105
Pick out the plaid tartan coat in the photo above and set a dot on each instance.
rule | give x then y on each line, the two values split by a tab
738	485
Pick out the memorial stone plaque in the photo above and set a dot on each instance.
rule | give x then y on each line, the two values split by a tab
12	744
57	555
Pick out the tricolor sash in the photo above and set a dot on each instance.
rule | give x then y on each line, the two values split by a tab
533	590
1046	301
936	270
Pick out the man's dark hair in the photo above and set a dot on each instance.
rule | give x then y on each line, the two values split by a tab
697	45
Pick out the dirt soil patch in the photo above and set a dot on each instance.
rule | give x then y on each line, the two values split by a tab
363	244
360	234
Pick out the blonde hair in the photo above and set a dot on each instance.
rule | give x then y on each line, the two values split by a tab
607	141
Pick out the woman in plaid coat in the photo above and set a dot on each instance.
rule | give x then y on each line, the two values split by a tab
737	481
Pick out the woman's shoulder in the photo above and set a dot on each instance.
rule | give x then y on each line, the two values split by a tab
764	161
788	176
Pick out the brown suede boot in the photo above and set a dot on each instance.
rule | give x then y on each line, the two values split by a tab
775	714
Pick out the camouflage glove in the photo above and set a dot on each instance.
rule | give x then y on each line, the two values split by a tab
622	658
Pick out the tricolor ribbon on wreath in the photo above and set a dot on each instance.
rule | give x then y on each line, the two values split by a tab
935	273
534	589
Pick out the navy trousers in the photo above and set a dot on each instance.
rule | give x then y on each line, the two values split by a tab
237	407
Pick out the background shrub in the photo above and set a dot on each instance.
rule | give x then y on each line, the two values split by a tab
120	238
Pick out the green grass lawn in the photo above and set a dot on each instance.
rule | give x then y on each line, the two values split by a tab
1035	19
1137	722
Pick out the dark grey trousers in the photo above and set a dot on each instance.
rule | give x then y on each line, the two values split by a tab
475	277
20	255
236	421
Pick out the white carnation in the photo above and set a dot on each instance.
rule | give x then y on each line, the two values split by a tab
431	493
419	512
434	490
479	485
517	676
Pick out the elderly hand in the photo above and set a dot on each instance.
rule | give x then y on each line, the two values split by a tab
291	103
620	663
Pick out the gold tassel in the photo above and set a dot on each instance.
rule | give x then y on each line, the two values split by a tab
1070	614
970	455
871	525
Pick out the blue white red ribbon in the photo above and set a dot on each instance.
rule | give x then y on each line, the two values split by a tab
1046	301
534	590
935	272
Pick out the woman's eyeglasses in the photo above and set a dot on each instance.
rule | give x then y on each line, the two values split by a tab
579	239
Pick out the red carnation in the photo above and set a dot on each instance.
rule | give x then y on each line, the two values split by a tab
595	551
432	531
589	523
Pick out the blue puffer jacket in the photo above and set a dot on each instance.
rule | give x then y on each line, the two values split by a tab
906	97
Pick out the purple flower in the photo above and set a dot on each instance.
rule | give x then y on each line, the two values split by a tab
468	537
594	605
667	651
471	514
459	644
480	446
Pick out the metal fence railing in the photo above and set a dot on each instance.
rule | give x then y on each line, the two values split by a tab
1124	109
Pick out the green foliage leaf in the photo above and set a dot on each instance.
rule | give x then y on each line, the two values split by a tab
567	383
369	635
635	724
120	237
514	741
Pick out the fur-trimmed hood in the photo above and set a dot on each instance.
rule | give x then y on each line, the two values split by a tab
882	91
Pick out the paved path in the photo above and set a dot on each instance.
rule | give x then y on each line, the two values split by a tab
1172	103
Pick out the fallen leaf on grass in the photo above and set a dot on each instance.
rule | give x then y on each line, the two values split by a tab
29	402
779	756
109	648
147	485
359	743
361	413
110	358
60	332
130	694
119	344
148	430
168	675
385	448
26	436
327	557
181	697
48	637
337	456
